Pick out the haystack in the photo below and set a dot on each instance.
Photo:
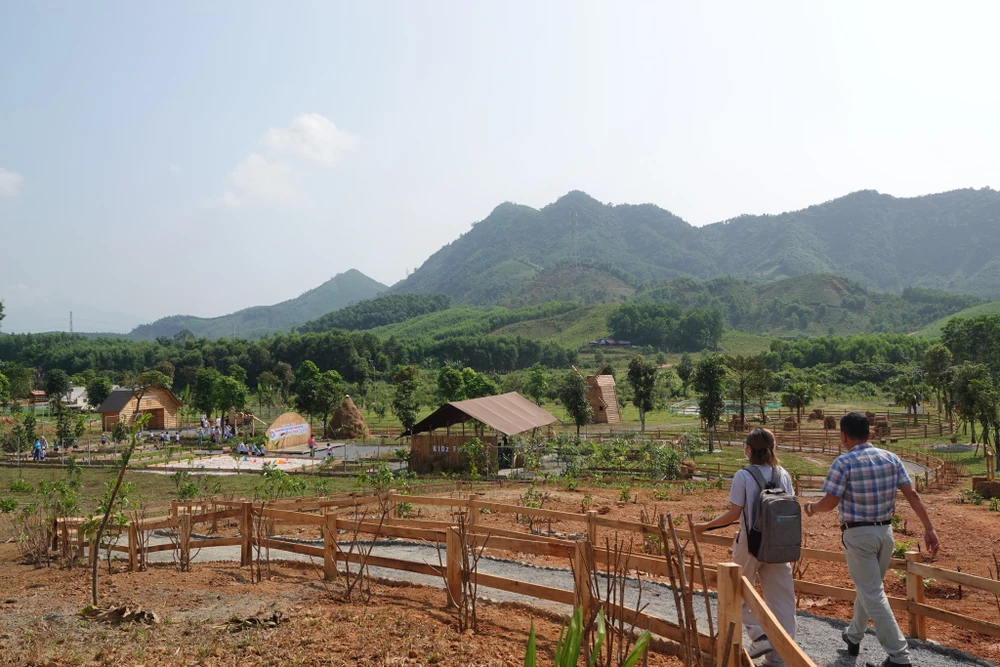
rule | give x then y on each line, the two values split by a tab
830	423
790	424
871	417
736	423
816	415
882	429
347	422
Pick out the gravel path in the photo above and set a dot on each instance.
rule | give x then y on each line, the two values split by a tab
820	637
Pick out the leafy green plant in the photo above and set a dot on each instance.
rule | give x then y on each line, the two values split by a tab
900	548
995	504
661	494
188	491
586	502
20	485
570	644
970	496
625	494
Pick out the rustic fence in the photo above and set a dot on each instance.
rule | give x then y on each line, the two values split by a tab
582	553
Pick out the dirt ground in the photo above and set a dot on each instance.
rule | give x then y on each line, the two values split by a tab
409	625
404	625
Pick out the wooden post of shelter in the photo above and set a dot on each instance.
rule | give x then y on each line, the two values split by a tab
133	547
730	610
246	530
453	565
915	595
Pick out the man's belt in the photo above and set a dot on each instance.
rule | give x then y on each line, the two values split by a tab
860	524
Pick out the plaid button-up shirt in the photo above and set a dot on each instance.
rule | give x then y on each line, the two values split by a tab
865	479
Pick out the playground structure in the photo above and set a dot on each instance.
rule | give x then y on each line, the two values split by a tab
340	519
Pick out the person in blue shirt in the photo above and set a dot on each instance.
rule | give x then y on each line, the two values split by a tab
862	485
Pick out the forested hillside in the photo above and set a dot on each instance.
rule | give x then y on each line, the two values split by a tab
340	291
948	241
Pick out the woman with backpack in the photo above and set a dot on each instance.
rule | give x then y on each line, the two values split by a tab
744	502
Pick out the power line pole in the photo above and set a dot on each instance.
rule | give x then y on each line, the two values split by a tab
71	321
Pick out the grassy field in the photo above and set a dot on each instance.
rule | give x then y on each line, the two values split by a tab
934	330
573	329
795	464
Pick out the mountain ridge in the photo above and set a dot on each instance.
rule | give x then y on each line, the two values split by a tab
339	291
947	241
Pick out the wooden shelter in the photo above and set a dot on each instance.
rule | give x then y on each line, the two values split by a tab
603	398
158	402
505	415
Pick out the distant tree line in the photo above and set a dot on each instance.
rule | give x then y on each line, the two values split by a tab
383	310
667	327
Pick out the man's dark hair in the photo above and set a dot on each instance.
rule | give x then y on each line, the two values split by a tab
855	425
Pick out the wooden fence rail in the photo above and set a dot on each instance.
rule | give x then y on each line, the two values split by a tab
583	554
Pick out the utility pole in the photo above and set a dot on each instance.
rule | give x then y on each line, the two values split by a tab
71	321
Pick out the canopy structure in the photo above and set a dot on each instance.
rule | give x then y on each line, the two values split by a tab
508	414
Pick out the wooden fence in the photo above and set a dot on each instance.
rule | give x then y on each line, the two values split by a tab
582	553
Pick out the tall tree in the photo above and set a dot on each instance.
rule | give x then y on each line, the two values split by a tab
908	390
283	371
798	396
685	369
329	393
937	361
4	390
642	376
709	381
573	396
748	374
57	385
478	385
98	389
404	399
206	382
538	384
307	388
450	385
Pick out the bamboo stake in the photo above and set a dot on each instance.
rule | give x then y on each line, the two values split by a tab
704	579
682	626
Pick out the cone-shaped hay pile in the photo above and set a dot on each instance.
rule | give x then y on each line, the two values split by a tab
347	422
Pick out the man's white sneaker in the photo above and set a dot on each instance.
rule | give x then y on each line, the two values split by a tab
759	647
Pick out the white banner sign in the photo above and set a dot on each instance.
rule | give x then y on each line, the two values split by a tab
287	431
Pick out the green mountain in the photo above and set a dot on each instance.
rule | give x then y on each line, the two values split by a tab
934	330
340	291
948	241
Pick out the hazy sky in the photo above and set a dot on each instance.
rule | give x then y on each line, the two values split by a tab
191	157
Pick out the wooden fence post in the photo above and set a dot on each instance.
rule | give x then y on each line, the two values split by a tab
592	526
915	595
729	584
453	566
215	519
133	547
184	526
330	547
582	564
246	530
473	508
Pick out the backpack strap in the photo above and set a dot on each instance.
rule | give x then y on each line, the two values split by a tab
761	485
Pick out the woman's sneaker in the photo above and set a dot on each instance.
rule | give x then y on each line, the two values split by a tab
760	646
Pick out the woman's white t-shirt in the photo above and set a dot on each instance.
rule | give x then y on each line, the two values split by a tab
744	491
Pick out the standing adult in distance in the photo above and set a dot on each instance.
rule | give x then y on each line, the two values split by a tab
862	484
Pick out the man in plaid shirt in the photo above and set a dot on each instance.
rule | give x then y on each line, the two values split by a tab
862	483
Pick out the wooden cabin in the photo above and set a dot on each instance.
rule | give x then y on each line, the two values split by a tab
602	394
500	417
120	405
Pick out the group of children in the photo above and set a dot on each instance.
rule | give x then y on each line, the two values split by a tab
251	450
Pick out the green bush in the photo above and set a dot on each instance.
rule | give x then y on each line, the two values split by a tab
571	639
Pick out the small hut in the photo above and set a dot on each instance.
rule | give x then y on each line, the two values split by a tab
160	403
347	422
493	420
603	398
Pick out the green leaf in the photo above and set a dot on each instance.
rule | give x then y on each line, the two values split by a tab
574	638
599	640
529	654
640	647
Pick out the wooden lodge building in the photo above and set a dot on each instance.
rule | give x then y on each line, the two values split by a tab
494	417
120	405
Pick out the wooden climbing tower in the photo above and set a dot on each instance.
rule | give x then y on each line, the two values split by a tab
603	398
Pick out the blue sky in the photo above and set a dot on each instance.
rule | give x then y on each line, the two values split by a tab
188	157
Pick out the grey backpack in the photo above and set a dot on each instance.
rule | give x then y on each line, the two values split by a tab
776	533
